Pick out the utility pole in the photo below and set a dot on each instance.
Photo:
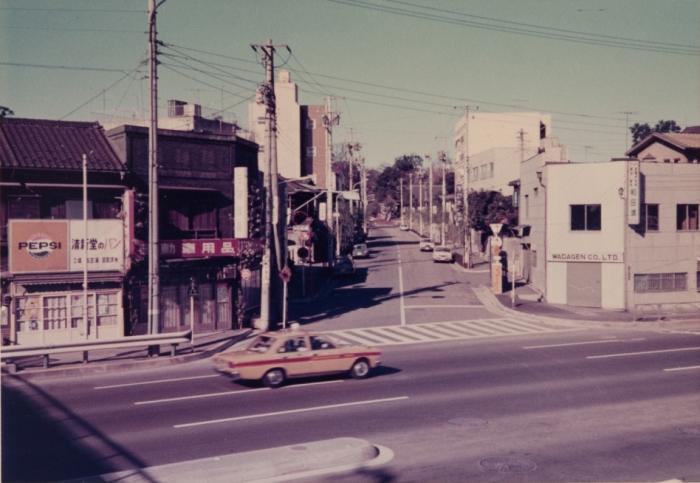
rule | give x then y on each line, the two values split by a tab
443	160
401	200
521	143
420	203
330	119
153	235
627	126
410	201
271	185
465	188
363	191
430	199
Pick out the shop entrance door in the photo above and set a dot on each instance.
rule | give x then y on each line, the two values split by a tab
583	284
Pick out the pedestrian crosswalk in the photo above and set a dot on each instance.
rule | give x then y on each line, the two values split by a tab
442	331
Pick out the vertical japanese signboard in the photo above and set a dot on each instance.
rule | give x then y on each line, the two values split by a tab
633	193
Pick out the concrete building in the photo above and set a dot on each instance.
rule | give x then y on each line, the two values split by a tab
495	137
618	235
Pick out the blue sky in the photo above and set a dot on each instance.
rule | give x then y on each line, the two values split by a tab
397	77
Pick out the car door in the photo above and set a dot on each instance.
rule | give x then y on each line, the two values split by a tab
295	355
326	357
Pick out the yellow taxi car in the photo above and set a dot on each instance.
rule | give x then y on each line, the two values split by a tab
274	357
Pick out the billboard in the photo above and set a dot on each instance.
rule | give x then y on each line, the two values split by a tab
37	246
205	248
633	193
44	246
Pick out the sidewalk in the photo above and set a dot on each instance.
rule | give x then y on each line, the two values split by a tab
113	360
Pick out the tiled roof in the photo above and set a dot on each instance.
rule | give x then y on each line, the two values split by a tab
45	144
686	140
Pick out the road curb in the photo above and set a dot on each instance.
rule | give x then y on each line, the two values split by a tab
78	369
283	463
491	302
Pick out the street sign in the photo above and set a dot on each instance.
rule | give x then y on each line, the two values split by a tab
286	274
496	228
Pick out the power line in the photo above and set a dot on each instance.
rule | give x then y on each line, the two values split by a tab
688	51
64	67
58	29
78	10
113	84
173	69
542	27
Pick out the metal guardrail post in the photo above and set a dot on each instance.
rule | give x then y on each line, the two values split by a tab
46	361
85	357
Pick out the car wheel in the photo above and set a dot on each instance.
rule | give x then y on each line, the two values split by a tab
360	369
274	378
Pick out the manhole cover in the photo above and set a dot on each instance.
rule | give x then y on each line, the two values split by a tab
689	430
508	464
472	423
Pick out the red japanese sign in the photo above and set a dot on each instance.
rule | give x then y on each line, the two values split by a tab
205	248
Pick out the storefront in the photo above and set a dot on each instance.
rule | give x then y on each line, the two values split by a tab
47	271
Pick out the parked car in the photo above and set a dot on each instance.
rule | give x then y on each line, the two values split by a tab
426	245
403	227
360	250
274	357
343	266
443	254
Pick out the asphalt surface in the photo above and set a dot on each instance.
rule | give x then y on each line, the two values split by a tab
603	404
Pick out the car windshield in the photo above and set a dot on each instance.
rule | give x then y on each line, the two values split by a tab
261	344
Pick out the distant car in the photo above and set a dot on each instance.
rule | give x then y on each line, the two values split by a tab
443	254
360	250
426	245
274	357
403	227
343	266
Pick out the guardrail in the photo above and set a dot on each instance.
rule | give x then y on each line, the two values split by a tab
146	341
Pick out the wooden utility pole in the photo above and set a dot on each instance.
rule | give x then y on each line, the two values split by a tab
271	185
410	201
401	200
420	203
443	160
153	234
330	119
430	202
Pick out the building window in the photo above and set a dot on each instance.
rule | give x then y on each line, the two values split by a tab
686	217
651	217
310	151
491	170
311	124
527	206
23	207
585	217
676	160
660	282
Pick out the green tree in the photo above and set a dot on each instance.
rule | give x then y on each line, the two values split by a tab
486	207
641	131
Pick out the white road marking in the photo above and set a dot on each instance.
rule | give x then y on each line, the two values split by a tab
473	306
606	341
689	368
226	393
290	411
625	354
402	304
158	381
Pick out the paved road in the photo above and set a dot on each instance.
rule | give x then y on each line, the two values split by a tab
571	406
474	398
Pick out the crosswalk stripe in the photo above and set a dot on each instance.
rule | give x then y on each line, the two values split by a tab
472	327
460	329
389	335
520	327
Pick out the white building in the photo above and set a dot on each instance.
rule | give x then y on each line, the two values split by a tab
496	143
620	235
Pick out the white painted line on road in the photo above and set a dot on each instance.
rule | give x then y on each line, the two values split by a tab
606	341
290	411
473	306
226	393
674	369
158	381
402	304
625	354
